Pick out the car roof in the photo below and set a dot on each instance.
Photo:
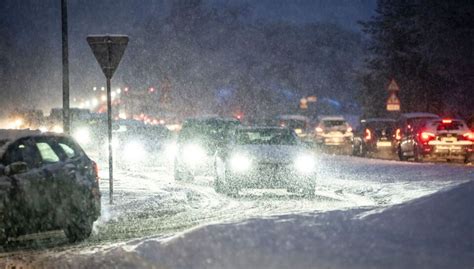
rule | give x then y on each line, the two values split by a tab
250	128
369	120
293	117
210	118
323	118
8	136
419	115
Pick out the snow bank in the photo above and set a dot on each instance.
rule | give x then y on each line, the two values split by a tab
435	231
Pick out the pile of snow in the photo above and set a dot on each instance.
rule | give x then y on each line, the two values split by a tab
435	231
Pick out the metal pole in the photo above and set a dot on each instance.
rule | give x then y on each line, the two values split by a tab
109	130
66	121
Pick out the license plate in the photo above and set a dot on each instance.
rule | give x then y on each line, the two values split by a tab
384	144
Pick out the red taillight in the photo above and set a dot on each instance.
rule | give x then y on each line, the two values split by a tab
319	129
95	168
468	136
426	136
398	134
368	134
447	121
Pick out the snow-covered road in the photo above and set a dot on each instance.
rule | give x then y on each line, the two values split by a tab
149	203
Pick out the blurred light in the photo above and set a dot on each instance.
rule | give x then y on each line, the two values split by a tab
94	88
122	115
57	129
162	122
171	149
95	102
82	136
240	163
151	90
125	90
134	151
119	90
447	121
43	129
102	88
87	103
103	98
319	130
193	154
298	131
112	94
305	164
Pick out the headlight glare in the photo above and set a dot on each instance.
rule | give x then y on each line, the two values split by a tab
240	163
193	154
305	164
134	151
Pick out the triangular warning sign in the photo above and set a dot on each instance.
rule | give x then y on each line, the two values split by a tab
108	50
393	86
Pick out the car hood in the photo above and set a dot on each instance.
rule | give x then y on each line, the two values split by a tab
271	153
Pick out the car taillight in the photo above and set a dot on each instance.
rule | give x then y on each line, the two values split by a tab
468	136
319	130
349	129
425	137
95	168
368	134
447	121
398	134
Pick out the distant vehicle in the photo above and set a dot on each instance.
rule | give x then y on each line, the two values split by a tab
197	143
298	123
333	131
265	157
449	139
373	135
136	144
406	130
47	182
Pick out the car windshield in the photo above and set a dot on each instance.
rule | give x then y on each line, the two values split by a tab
334	123
237	134
265	137
449	125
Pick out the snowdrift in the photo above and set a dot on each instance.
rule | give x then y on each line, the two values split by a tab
435	231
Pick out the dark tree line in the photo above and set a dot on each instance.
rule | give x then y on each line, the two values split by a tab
427	46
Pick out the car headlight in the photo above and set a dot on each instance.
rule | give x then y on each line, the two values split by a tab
193	154
171	149
82	136
305	164
134	151
240	162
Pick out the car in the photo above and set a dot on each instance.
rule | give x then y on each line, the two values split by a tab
47	182
142	143
333	131
374	135
265	157
197	143
406	131
298	123
449	139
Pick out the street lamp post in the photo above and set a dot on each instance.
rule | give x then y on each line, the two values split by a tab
66	121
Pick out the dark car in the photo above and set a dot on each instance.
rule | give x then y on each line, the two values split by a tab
373	136
406	132
197	143
47	182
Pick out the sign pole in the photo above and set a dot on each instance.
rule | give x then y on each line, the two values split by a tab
109	131
66	121
108	51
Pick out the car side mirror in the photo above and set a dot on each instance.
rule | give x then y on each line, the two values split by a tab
16	168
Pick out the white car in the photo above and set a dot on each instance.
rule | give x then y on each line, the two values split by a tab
265	157
333	131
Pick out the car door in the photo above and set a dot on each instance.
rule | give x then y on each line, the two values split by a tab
28	203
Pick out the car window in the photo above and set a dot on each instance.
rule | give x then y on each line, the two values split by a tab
70	153
333	123
265	137
47	153
22	151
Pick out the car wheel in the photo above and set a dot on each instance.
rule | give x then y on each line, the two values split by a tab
79	229
416	155
355	150
400	155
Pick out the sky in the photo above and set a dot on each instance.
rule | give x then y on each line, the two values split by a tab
34	25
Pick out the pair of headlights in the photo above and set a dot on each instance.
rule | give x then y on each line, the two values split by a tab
304	163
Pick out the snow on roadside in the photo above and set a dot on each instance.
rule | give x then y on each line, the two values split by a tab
434	231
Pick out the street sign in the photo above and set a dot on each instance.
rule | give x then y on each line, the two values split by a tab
108	50
393	102
393	86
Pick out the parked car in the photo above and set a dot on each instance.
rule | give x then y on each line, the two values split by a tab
373	135
47	182
407	126
439	139
197	143
265	157
333	131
